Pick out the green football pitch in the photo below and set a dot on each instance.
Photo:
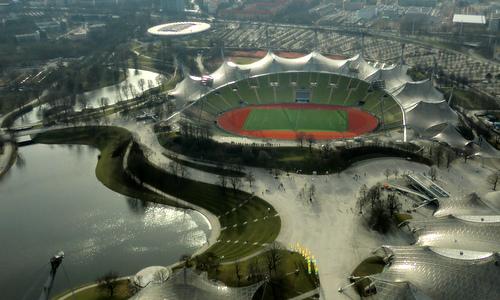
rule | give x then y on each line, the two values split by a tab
297	120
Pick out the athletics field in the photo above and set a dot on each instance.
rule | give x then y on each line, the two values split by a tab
287	121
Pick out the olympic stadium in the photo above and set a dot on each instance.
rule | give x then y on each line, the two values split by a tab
318	97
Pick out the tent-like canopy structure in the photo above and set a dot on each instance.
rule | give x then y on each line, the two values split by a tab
188	285
439	273
459	233
469	205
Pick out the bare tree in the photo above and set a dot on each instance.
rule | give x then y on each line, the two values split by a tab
433	173
312	192
133	90
387	173
108	282
373	195
141	83
254	270
300	137
393	204
125	90
235	182
83	101
250	178
104	102
493	179
449	156
223	180
396	173
362	197
237	271
310	141
273	258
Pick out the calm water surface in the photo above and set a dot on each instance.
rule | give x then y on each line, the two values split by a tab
51	200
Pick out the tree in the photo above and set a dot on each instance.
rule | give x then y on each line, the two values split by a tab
237	271
133	90
177	169
396	173
373	195
83	101
493	179
273	258
433	173
489	77
141	83
108	282
300	137
393	204
362	197
254	270
104	102
310	141
207	262
173	167
186	260
223	181
387	173
235	182
250	178
312	192
125	91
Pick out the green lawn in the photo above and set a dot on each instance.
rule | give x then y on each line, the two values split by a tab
296	119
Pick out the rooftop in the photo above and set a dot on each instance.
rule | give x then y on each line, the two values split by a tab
178	29
469	19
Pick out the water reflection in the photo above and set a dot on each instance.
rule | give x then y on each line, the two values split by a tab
137	206
54	202
113	94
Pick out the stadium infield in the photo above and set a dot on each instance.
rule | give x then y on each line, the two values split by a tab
288	121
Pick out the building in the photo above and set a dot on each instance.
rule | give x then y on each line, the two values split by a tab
494	24
28	37
175	6
4	6
213	5
469	23
367	12
427	3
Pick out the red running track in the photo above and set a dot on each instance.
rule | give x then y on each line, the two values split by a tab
360	122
